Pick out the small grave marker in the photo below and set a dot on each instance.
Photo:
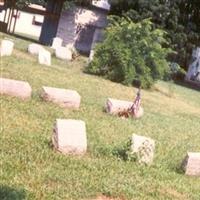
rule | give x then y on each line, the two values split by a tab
34	48
62	97
63	53
44	57
115	106
15	88
6	48
57	42
144	148
69	136
191	164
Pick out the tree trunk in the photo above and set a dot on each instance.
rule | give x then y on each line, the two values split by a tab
51	20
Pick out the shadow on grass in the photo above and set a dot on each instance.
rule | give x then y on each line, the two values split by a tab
187	84
8	193
25	37
180	167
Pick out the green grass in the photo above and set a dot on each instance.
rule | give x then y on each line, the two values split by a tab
31	169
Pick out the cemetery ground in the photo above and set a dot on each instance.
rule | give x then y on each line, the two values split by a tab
31	169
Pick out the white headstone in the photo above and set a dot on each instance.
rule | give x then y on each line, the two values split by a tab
69	136
91	57
44	57
191	164
63	53
34	48
144	148
57	42
15	88
6	48
62	97
115	106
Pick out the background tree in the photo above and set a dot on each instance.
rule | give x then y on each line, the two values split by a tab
180	18
131	53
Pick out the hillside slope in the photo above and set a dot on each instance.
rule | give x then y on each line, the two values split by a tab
30	169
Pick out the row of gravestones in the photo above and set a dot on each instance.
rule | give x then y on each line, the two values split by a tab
61	52
44	56
69	136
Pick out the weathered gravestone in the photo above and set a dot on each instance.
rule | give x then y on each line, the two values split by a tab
143	148
6	48
57	42
69	136
44	57
15	88
116	107
194	68
35	48
191	164
63	53
62	97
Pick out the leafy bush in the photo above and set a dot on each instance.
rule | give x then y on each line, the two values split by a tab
176	72
179	18
131	53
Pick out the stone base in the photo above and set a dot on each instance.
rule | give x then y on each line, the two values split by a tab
15	88
191	164
62	97
34	48
115	106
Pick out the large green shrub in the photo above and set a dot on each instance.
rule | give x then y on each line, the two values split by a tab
180	18
131	53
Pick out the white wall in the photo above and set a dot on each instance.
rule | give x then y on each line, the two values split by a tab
24	24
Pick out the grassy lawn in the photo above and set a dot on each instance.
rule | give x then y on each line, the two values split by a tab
31	169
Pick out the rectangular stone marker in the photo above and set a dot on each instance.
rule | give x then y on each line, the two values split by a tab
62	97
57	42
69	136
34	48
191	164
6	48
44	57
144	148
15	88
91	56
63	53
114	106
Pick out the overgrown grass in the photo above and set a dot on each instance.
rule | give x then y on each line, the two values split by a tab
31	169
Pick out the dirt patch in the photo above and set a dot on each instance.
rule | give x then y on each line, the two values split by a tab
174	194
102	197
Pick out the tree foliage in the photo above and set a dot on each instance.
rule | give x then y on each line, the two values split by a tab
180	18
131	53
24	3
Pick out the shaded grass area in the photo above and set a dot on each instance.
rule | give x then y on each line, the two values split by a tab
29	165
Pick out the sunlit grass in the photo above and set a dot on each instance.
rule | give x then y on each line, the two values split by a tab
31	168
